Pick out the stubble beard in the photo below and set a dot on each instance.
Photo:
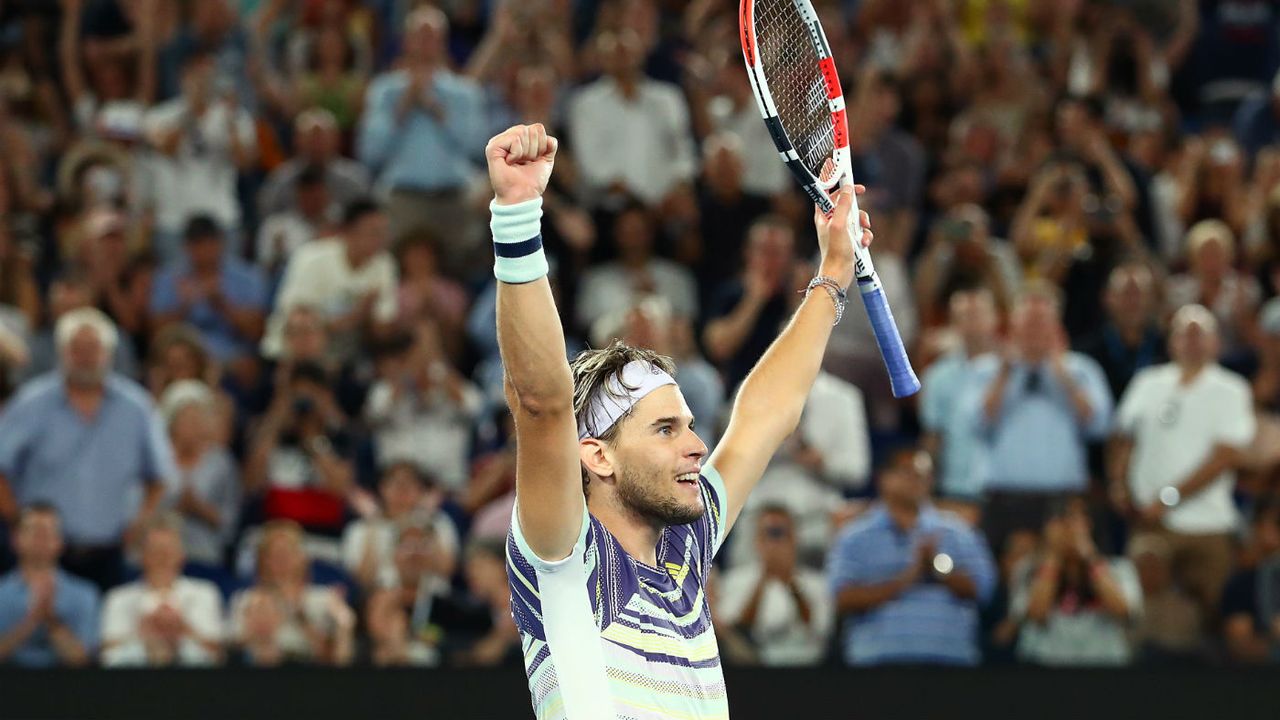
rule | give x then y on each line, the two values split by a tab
641	494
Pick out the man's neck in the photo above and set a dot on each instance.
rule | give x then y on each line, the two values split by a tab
159	581
636	535
1191	371
903	515
973	347
32	570
354	260
628	85
1130	331
84	392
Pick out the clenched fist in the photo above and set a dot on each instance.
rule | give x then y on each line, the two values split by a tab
520	161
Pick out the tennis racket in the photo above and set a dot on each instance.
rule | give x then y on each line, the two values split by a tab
798	91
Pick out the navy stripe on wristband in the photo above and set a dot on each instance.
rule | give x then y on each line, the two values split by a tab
518	249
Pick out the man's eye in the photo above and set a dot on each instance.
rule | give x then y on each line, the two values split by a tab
665	430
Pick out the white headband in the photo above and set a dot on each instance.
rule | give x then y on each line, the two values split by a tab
611	402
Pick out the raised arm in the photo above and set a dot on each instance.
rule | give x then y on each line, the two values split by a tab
538	385
773	395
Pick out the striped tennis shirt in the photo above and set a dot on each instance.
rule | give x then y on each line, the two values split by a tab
607	636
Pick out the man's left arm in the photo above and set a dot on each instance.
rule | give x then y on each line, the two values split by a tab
1236	430
772	397
1087	391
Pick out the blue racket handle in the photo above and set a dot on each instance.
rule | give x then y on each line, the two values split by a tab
901	377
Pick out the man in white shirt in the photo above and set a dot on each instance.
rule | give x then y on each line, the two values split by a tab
783	607
350	279
657	158
203	142
163	618
1180	433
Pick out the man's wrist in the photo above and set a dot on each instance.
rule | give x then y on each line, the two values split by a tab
842	275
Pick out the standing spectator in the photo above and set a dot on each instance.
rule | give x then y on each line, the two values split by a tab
350	279
283	618
205	138
782	606
962	253
219	294
207	494
1075	606
618	285
747	312
422	126
1250	616
1213	281
657	162
89	442
163	618
47	617
949	433
908	578
72	290
1182	430
1038	406
420	394
408	497
1129	340
316	142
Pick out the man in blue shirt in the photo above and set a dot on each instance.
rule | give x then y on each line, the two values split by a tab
47	617
90	443
423	126
907	578
220	295
1036	408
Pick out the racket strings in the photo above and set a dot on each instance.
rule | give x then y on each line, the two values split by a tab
790	66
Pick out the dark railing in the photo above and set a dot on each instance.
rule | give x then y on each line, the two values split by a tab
875	694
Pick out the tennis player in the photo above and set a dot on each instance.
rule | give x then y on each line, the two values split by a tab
619	511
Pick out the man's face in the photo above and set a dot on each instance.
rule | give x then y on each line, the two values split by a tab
1193	343
1130	295
1036	327
775	535
1213	258
38	539
621	54
283	559
85	359
197	79
162	555
633	235
304	336
424	39
401	492
204	253
656	460
414	552
367	236
973	313
316	143
904	485
770	250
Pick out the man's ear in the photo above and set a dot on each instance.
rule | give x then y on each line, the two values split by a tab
595	457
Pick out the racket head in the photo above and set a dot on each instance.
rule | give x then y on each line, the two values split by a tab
797	89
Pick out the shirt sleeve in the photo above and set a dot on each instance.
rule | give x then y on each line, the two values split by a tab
1237	424
716	498
932	415
16	430
164	293
157	453
206	615
1132	404
1126	576
846	564
85	621
379	132
116	626
1094	386
573	560
733	591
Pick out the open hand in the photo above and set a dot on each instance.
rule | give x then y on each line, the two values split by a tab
520	161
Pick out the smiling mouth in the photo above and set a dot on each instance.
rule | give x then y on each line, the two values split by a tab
688	478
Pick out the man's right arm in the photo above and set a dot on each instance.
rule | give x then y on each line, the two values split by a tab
538	384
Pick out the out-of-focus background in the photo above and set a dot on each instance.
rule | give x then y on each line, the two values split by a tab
267	218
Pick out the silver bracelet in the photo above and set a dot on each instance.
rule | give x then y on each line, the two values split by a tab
837	293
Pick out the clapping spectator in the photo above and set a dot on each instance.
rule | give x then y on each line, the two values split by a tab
312	215
47	617
317	145
1130	339
90	443
1182	430
782	606
908	579
163	618
1075	606
284	619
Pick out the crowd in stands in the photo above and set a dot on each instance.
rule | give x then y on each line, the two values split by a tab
251	404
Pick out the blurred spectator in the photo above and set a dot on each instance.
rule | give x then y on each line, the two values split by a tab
1250	608
426	295
782	606
409	497
1075	606
204	138
104	257
207	494
350	279
300	463
657	162
316	143
101	83
163	618
1211	183
19	294
404	606
1171	627
284	619
177	354
47	617
72	290
949	433
219	294
311	216
485	628
1051	224
748	312
908	578
419	394
1182	429
650	324
726	211
1130	339
891	157
613	287
1257	121
305	338
90	443
1037	407
1213	281
961	253
421	128
1266	382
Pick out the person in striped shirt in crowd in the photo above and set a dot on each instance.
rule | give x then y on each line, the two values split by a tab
908	579
619	511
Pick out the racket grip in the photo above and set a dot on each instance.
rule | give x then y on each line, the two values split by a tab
902	378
